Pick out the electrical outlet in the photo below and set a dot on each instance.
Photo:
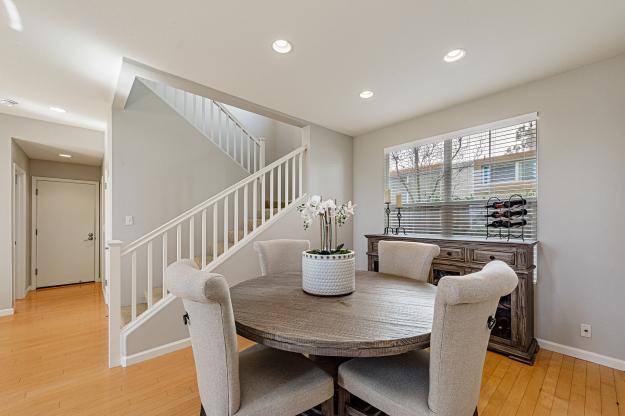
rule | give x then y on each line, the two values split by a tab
585	330
129	220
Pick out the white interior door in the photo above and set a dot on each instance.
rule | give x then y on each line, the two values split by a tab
65	232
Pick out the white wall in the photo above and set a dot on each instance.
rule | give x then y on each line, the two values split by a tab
21	159
280	138
81	140
581	193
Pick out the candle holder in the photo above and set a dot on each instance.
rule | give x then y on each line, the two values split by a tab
387	210
399	227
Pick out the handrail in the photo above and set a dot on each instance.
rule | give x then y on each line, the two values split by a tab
198	208
236	121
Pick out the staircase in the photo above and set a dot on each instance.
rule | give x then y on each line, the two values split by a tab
215	122
210	233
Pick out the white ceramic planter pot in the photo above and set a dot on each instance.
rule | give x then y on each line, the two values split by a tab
328	275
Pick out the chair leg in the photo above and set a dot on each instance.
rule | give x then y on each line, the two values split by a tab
344	399
327	407
475	413
202	412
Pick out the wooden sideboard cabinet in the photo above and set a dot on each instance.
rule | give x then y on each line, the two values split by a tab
513	334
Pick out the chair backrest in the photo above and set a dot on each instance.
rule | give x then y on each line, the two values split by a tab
460	334
206	298
280	256
407	258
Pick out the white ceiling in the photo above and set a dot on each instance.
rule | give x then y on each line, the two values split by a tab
69	52
40	151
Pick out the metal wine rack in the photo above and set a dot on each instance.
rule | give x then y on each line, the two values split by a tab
520	205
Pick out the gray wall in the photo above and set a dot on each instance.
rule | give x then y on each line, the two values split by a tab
52	134
50	169
581	177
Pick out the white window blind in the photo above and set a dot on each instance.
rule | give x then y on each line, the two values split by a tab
445	181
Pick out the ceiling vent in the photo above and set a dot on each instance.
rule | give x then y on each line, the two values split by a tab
8	102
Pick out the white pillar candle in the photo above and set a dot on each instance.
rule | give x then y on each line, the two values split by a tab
387	196
398	201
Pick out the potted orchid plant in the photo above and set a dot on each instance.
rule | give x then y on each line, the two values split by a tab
330	269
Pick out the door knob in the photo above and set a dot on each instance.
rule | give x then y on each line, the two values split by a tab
90	237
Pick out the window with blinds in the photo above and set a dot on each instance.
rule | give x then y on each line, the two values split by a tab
445	181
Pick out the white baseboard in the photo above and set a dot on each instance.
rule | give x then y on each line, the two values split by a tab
583	354
6	312
30	288
155	352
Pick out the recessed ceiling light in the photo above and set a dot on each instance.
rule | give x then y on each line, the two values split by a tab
58	109
455	55
366	94
8	102
282	46
15	21
65	155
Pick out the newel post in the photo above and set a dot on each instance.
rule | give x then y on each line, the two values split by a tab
262	152
114	286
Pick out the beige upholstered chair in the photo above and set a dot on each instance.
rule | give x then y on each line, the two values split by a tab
408	259
259	380
445	381
280	256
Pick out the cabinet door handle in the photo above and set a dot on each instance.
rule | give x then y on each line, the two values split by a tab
449	253
492	257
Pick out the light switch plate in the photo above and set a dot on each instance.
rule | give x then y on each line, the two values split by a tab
129	220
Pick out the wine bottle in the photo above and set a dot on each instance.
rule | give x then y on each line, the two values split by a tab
507	223
507	214
506	204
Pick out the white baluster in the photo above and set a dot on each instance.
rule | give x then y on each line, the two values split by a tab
301	192
255	165
192	238
236	216
227	134
245	217
254	201
286	183
241	145
248	155
226	213
293	179
271	194
204	116
262	152
179	242
215	223
150	277
203	238
133	288
262	198
165	262
279	187
219	116
211	120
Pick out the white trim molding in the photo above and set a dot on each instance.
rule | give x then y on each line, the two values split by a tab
583	354
155	352
7	312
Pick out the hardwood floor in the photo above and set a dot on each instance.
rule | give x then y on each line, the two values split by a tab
53	361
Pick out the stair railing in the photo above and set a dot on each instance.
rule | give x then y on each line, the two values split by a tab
213	120
231	217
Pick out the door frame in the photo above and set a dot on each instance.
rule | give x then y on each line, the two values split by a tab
33	255
19	245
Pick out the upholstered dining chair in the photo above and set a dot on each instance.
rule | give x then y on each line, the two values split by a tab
406	258
280	256
257	381
445	381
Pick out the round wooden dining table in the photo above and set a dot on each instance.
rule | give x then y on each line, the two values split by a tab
385	315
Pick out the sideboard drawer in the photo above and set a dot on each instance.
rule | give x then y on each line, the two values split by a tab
484	256
451	253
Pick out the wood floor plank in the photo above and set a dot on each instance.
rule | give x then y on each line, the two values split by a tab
619	381
609	405
491	385
593	390
530	398
563	389
500	395
548	390
578	389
